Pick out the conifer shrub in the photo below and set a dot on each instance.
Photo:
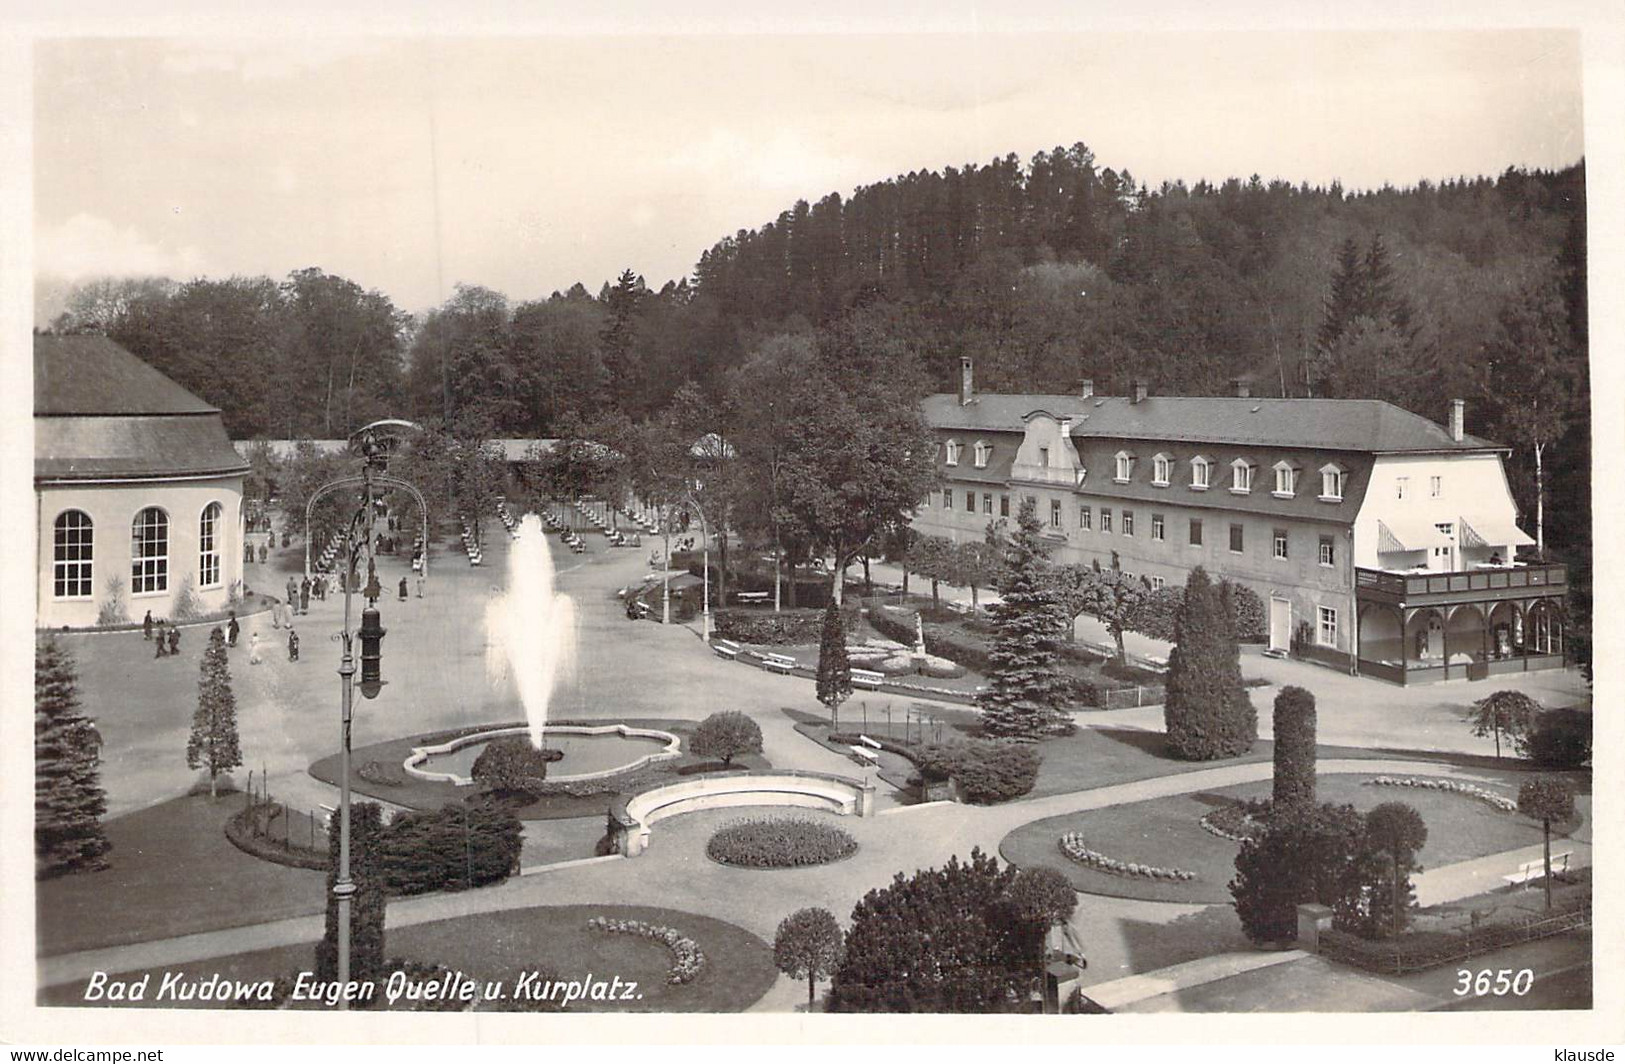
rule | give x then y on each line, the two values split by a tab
987	772
1207	712
1304	857
459	846
366	904
69	801
1294	748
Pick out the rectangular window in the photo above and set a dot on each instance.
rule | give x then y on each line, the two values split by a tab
1004	506
1241	478
1199	474
947	498
1235	539
1326	633
1157	582
1400	484
1055	513
1128	522
1285	480
1279	549
1156	527
1196	531
1043	457
987	504
1436	487
1125	466
1105	519
970	502
1085	518
1328	550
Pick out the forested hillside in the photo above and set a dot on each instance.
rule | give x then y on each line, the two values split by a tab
1044	273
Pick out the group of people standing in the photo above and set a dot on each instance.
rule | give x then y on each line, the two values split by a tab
169	636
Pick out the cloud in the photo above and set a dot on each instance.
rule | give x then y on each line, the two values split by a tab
88	246
781	161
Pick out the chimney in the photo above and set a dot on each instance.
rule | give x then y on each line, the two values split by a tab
1086	388
967	382
1242	388
1458	419
1140	387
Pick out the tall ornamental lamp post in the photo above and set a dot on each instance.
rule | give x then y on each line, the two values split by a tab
372	442
705	569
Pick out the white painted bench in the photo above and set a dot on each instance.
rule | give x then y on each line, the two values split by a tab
778	663
1530	871
752	597
867	678
865	755
866	741
726	648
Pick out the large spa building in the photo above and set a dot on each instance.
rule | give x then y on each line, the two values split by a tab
1378	540
137	491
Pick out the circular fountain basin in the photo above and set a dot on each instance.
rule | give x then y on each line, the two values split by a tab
590	752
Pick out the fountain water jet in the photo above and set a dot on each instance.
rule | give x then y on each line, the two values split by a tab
531	630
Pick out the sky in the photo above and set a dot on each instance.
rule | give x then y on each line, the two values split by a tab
527	163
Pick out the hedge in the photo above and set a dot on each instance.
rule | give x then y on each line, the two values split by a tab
766	628
1418	950
1159	608
780	842
452	848
987	771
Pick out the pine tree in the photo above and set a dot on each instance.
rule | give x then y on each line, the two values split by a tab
1026	697
213	742
367	904
1207	713
68	797
834	670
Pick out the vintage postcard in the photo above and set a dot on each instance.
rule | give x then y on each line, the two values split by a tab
1045	530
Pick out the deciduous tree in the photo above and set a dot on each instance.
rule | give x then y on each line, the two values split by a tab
726	735
808	943
1549	800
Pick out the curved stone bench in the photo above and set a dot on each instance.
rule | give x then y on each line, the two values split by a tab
631	819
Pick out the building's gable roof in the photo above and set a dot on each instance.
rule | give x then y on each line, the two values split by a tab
76	376
1369	426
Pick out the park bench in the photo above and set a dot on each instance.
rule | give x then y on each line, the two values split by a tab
752	598
778	663
866	741
726	648
867	678
865	756
1530	871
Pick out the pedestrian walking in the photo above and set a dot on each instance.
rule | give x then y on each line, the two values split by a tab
232	629
304	595
146	626
174	641
262	554
163	646
293	590
403	589
254	648
293	645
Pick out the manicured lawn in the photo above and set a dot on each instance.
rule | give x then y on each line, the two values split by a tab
173	872
1165	832
416	793
502	945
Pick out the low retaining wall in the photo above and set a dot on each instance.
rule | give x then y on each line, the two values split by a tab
631	819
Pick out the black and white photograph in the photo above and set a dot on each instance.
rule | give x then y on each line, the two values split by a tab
1087	528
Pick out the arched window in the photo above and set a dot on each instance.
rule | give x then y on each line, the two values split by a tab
1241	476
208	546
982	453
73	535
952	453
149	551
1333	479
1161	466
1123	462
1286	479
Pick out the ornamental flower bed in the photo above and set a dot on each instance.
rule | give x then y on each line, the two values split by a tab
1073	847
687	960
1501	802
787	842
1237	822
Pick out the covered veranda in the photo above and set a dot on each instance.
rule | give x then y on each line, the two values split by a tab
1416	628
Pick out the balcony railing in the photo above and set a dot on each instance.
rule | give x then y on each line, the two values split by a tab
1495	582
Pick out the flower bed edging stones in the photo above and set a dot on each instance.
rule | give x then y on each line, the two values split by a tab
687	960
1073	847
1501	802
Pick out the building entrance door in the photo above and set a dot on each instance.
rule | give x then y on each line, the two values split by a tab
1280	624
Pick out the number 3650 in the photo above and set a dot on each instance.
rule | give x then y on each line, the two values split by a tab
1500	983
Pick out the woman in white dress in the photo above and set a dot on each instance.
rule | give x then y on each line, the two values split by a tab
254	649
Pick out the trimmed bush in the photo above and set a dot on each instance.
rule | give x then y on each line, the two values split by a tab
1561	738
511	765
987	772
766	628
779	842
1297	859
726	735
1207	713
367	904
1294	748
453	848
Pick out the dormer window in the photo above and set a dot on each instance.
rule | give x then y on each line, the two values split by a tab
1241	476
1124	466
951	456
1333	479
982	451
1161	469
1201	473
1286	480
